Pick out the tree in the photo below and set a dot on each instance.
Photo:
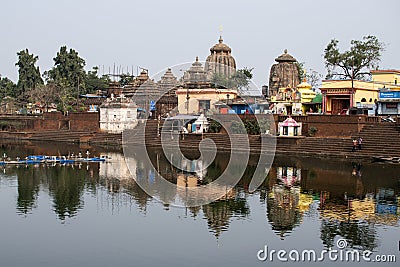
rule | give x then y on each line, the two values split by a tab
7	88
29	74
44	94
68	70
314	79
125	79
356	62
312	76
239	80
93	82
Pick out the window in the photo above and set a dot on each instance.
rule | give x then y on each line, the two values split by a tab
363	100
204	105
285	130
391	105
296	130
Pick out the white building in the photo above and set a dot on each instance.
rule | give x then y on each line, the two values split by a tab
118	114
289	127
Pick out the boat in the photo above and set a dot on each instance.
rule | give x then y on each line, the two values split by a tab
39	159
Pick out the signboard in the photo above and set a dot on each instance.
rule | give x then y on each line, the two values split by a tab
389	95
152	105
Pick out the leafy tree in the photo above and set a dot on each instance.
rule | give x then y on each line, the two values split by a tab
7	88
300	70
125	79
93	82
356	62
239	80
68	70
29	74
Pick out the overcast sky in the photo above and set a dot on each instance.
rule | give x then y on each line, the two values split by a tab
158	34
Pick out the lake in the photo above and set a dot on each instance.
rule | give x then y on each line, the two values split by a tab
95	214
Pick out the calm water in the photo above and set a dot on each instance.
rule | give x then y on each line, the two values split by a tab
95	214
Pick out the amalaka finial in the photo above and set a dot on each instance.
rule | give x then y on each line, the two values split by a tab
285	51
197	59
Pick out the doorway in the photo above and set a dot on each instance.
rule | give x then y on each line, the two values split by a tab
339	104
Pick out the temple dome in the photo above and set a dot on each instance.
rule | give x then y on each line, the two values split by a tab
195	74
304	85
220	61
285	57
220	47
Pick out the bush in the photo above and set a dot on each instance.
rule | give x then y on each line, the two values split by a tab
312	131
215	126
237	127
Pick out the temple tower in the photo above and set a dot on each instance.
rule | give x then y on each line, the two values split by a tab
283	74
220	60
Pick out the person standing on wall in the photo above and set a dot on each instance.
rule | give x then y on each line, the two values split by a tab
359	142
354	144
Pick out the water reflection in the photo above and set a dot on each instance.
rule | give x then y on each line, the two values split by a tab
351	199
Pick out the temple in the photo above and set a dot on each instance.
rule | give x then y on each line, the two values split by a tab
283	74
220	61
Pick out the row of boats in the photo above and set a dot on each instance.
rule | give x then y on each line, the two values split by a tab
39	159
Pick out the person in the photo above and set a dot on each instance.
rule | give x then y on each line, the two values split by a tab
359	142
354	144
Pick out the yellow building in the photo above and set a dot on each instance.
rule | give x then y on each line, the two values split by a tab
196	101
338	96
389	93
307	95
388	78
197	95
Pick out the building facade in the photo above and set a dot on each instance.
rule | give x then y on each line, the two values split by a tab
339	96
196	95
389	92
118	114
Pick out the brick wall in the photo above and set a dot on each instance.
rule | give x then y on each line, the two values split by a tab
330	125
52	121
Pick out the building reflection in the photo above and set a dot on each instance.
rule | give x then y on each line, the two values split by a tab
285	202
351	200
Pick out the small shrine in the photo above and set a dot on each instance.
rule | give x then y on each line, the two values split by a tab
201	125
289	127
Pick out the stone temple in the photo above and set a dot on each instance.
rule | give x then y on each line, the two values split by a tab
283	74
220	61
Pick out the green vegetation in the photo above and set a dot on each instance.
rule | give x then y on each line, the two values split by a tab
250	126
356	62
29	74
7	88
312	131
215	126
239	80
68	70
64	82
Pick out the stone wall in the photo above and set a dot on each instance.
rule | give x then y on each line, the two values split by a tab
330	125
52	121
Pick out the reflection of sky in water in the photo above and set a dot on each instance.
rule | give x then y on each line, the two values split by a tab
67	216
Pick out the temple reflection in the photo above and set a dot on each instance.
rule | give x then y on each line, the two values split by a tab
350	199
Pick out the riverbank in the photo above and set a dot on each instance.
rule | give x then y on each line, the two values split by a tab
375	144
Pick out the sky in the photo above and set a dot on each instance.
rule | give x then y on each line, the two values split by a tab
158	34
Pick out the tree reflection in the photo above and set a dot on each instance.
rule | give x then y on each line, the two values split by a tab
28	189
359	235
219	213
66	186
